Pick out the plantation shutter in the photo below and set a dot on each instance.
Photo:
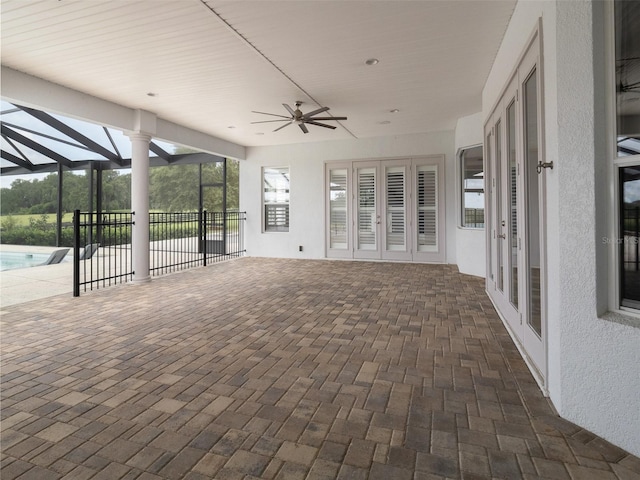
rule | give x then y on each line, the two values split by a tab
366	178
396	208
427	206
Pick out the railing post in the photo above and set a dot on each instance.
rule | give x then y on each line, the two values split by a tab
200	219
204	236
224	232
76	253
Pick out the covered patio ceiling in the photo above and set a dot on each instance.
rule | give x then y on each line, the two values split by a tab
207	64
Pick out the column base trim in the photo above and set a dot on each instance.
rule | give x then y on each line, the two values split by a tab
139	280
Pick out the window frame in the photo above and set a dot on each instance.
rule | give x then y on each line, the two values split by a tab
268	228
615	164
462	190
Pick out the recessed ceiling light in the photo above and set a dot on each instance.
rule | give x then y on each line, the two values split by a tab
395	110
384	122
372	61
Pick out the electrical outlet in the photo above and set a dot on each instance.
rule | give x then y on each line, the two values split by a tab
300	248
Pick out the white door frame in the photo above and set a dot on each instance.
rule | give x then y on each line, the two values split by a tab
531	235
381	221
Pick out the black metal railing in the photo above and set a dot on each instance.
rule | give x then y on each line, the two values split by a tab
474	217
102	246
185	240
101	250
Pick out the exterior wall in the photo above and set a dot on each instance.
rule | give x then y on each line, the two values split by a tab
307	209
470	242
593	362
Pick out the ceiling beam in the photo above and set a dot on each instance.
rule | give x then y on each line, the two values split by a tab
10	157
41	149
181	159
71	133
161	152
199	157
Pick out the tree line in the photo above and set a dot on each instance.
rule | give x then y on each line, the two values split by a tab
171	189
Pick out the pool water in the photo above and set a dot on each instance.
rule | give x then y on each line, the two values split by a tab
13	260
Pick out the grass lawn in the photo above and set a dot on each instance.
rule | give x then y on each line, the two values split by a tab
23	220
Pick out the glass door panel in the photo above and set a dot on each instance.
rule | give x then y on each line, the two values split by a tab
499	208
396	213
490	188
367	216
395	209
338	223
427	208
512	236
530	101
504	216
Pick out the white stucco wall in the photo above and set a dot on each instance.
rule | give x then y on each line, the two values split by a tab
470	242
593	363
307	212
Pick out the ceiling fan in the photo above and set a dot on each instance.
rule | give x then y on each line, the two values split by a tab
300	119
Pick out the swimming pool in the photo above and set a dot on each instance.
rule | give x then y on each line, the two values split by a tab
13	260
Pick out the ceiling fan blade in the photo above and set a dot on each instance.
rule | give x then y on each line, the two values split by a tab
289	109
303	127
328	118
269	121
315	112
285	125
311	122
272	114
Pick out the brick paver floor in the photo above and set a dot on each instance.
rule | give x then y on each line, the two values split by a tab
282	369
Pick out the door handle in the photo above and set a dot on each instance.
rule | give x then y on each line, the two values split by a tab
541	165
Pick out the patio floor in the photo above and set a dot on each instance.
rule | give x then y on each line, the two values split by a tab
282	369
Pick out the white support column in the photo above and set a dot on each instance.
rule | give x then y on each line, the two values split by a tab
140	205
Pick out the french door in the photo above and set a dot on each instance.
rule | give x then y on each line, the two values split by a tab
386	210
516	220
367	211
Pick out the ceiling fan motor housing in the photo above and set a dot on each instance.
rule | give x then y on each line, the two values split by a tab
299	118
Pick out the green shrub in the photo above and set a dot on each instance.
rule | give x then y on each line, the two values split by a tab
38	232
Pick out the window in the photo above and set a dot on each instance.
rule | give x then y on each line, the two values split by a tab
472	188
276	199
627	161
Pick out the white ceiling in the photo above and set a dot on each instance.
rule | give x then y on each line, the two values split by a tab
205	60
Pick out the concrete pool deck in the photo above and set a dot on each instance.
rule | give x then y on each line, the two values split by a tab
33	283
